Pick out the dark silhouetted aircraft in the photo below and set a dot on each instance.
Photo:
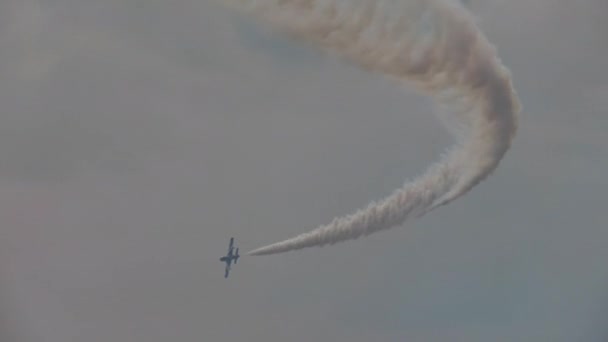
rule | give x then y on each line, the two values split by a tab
233	254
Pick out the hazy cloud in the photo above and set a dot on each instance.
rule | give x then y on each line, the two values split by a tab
128	127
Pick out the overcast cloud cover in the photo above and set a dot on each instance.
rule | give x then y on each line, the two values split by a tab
137	136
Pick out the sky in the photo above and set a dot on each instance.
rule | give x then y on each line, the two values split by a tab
137	136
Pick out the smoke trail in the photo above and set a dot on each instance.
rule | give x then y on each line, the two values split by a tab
436	46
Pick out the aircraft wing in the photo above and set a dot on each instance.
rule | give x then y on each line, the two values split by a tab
227	271
230	246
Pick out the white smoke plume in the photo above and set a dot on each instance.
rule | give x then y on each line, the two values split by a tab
434	45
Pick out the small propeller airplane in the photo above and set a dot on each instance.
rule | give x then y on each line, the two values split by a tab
230	256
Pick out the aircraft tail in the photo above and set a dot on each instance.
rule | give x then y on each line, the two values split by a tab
236	256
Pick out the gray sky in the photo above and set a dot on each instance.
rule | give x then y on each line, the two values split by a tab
137	136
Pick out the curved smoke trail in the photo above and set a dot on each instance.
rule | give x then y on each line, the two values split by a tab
435	45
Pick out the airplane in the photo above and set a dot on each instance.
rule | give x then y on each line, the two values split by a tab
230	256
